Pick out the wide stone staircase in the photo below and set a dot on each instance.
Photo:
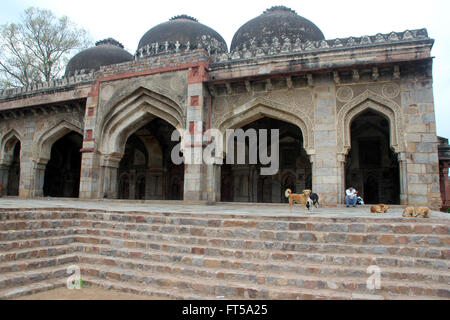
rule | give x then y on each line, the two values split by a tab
211	256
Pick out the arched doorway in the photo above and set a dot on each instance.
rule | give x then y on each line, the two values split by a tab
147	160
244	182
14	172
372	167
62	173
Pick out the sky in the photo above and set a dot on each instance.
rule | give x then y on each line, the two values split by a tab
127	21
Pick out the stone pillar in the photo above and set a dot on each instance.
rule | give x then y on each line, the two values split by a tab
421	143
403	164
110	170
90	177
195	172
39	175
213	183
341	159
148	185
326	170
4	173
133	180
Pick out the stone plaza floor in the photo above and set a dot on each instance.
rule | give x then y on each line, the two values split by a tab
268	210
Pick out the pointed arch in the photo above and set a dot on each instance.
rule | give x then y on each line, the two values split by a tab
43	145
261	107
370	100
7	145
133	112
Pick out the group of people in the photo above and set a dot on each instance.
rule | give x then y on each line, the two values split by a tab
352	198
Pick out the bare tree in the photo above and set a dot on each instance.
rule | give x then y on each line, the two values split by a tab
38	48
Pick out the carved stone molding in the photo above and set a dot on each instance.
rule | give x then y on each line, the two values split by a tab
370	100
264	107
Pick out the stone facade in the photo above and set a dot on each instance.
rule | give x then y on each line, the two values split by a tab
320	87
444	164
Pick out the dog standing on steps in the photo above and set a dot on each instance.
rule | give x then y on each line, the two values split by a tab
298	198
313	201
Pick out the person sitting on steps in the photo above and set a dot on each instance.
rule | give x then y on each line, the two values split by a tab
351	197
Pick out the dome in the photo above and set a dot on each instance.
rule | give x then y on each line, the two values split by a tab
278	21
184	29
105	52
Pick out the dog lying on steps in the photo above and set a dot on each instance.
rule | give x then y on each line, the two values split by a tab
417	212
381	208
298	198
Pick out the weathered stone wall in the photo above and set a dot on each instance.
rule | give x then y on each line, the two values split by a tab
421	140
320	88
37	133
126	97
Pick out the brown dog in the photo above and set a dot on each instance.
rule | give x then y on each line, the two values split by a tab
417	212
298	198
381	208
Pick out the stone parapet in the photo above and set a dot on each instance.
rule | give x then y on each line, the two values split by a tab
82	77
287	46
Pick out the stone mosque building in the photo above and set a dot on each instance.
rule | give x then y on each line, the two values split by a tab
355	111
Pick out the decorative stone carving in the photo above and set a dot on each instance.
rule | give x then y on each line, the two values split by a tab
344	94
391	90
370	100
294	45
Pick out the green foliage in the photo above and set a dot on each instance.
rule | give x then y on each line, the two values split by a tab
38	47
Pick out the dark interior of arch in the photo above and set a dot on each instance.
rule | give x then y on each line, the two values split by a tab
146	171
62	173
14	172
372	167
244	183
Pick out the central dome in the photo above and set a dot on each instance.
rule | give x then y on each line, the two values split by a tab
184	29
278	21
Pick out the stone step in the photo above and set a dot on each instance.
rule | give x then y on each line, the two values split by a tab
18	225
20	255
331	225
13	239
291	236
24	278
34	264
40	233
262	272
146	290
239	289
306	294
137	216
266	249
178	294
225	256
7	246
32	288
410	250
